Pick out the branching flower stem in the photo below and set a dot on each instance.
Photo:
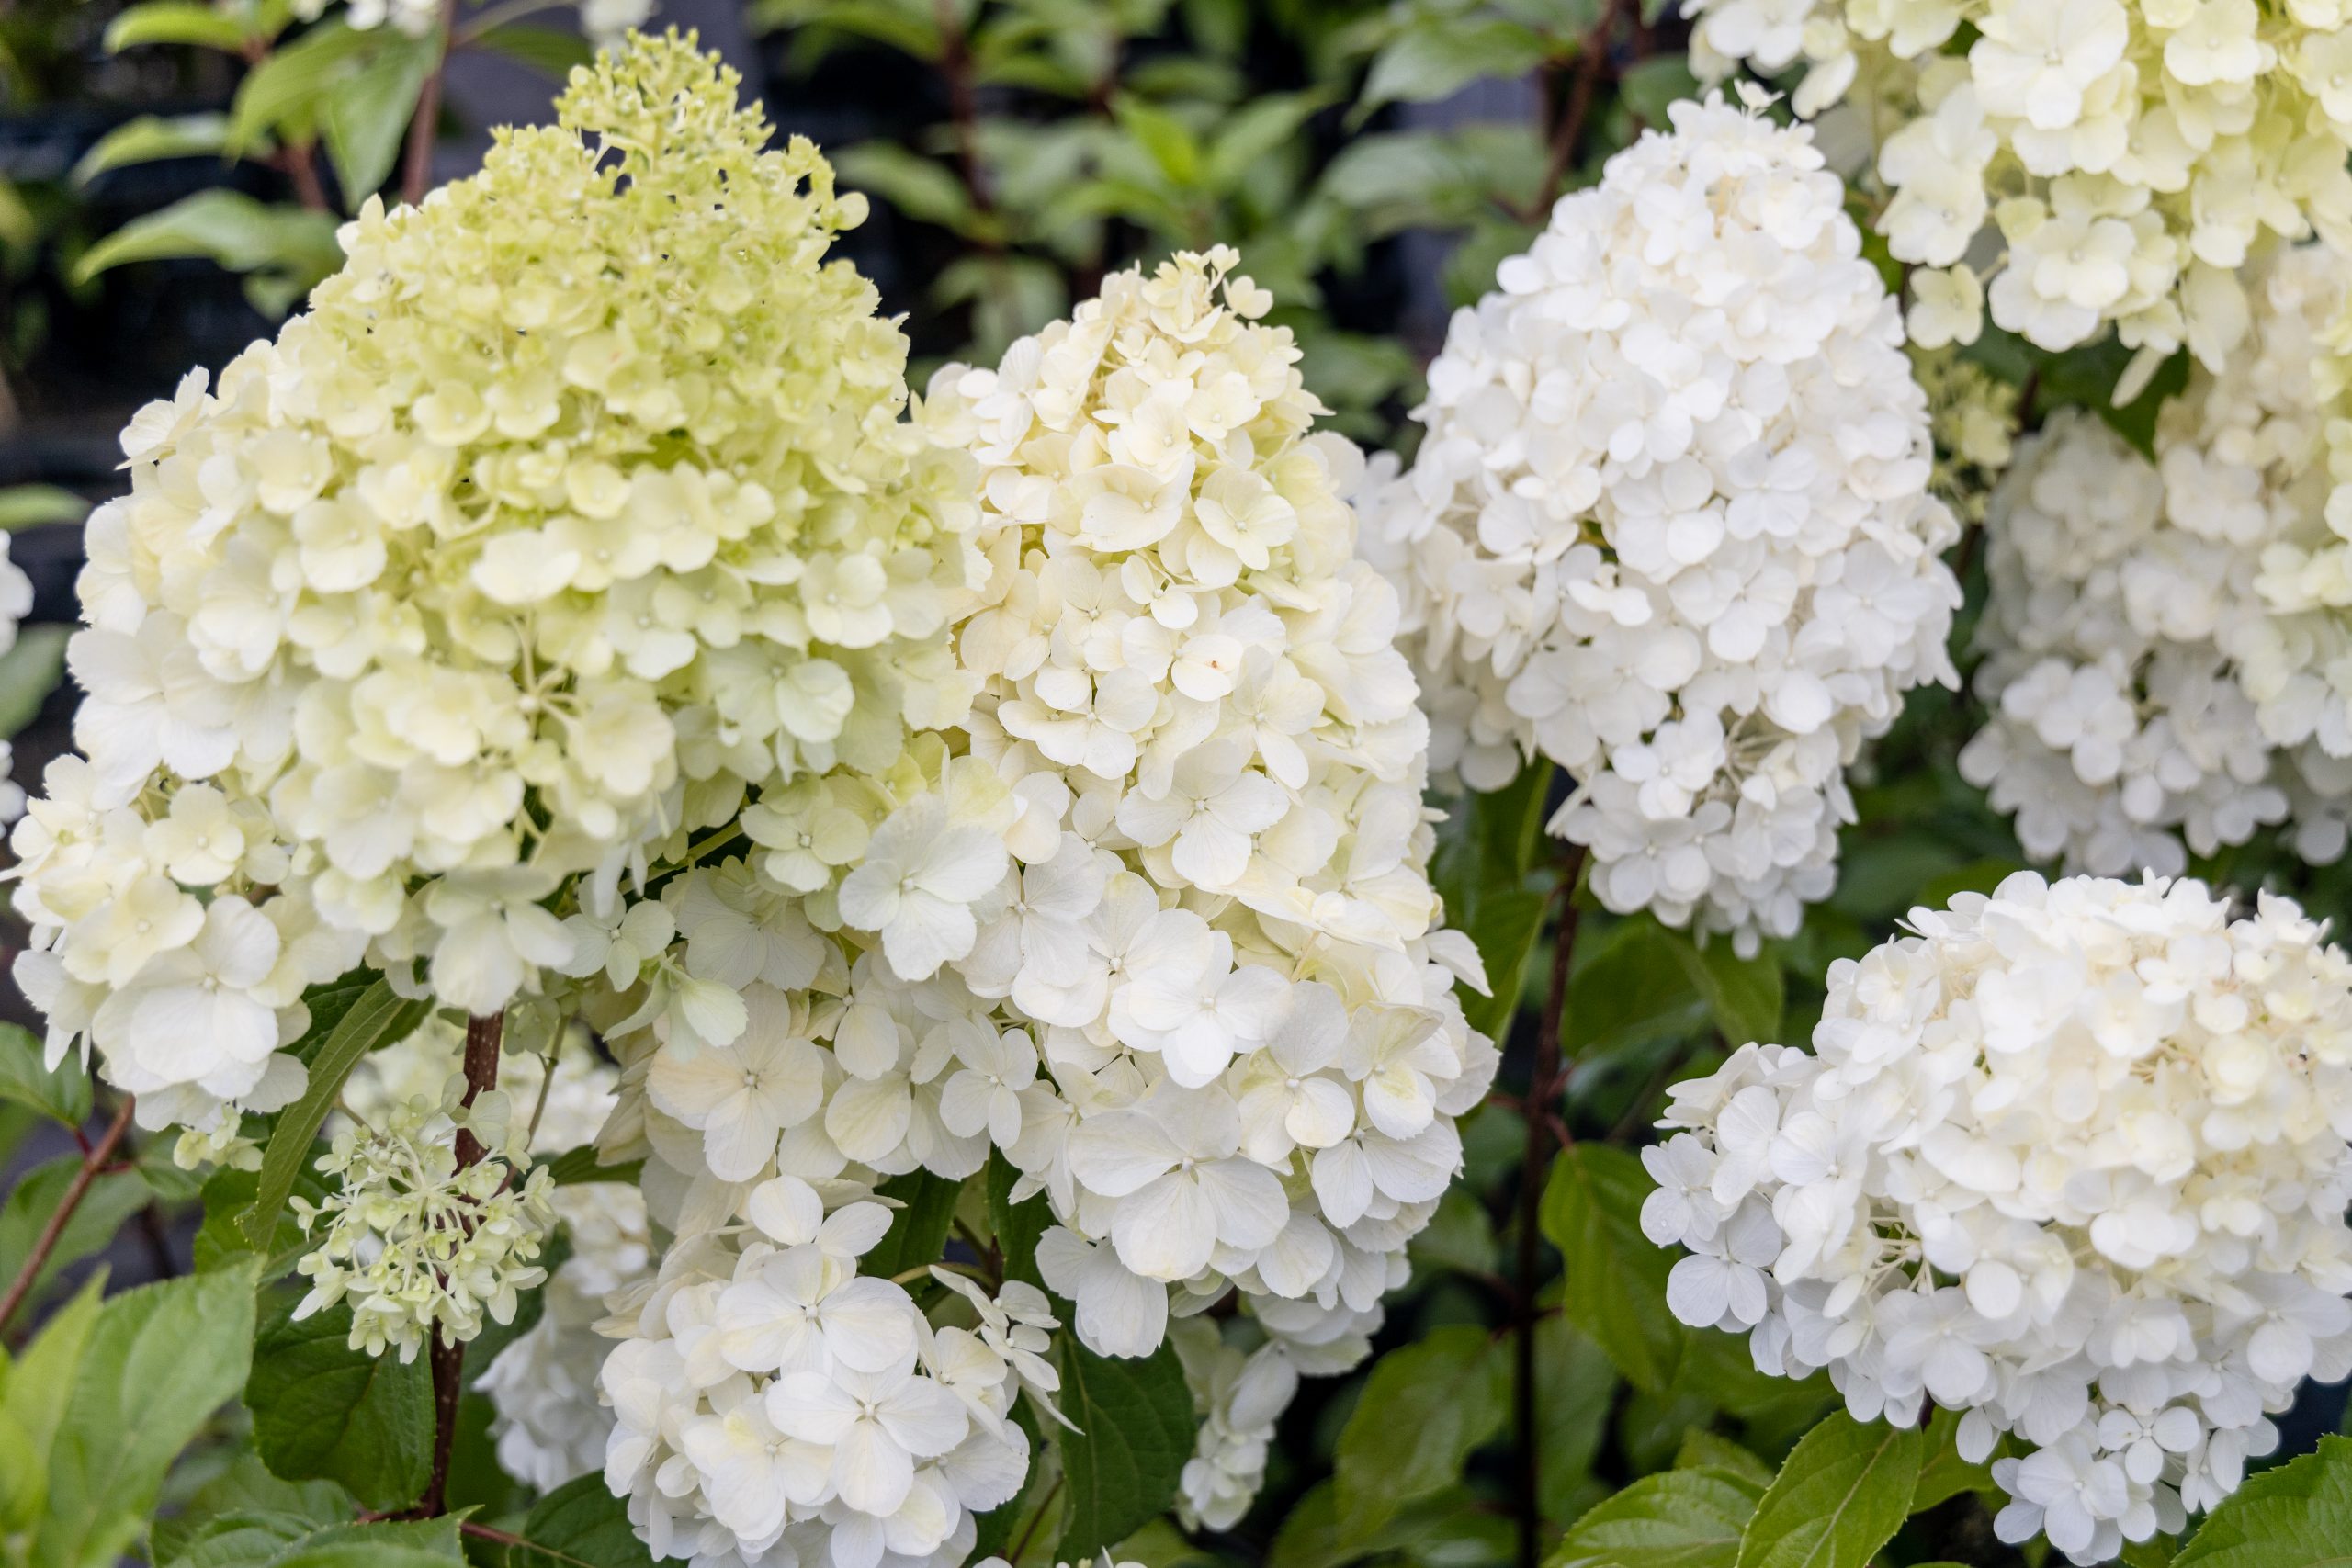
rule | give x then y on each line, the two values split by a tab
484	1034
94	1163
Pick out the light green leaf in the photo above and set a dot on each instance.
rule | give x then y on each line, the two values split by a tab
29	506
246	1488
151	137
549	51
32	1404
1135	1431
920	188
1440	57
62	1094
2298	1515
323	1411
1649	86
1576	1387
580	1524
232	228
1840	1495
1452	1525
1676	1518
1704	1450
1744	994
175	21
1169	140
1256	130
377	1018
161	1360
289	86
1426	1406
367	116
1942	1472
109	1200
29	672
1615	1284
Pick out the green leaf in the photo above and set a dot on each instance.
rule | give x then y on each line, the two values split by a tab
920	188
576	1167
1702	1450
1258	130
1425	1408
1575	1388
247	1488
232	228
1135	1431
2297	1514
160	1360
290	86
1635	991
366	118
1440	57
1744	994
220	1240
377	1018
918	1232
29	506
580	1524
1168	140
151	137
32	1404
1615	1284
1943	1474
323	1411
1017	1225
1840	1495
1649	86
272	1539
175	21
1485	850
109	1200
62	1094
29	671
549	51
2156	1552
1454	1523
1676	1518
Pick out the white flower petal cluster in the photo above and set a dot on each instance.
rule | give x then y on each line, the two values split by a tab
578	506
2081	163
2071	1160
1153	926
774	1407
420	1247
1670	527
2160	654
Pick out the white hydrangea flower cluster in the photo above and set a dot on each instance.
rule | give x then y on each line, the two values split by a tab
1240	1393
548	1424
577	507
2158	653
2071	1160
1671	528
2121	162
418	1246
1154	927
774	1406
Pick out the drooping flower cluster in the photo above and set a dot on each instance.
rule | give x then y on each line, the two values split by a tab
2071	1160
417	1244
1154	926
2122	160
548	1424
1240	1392
1670	527
578	505
2161	651
773	1406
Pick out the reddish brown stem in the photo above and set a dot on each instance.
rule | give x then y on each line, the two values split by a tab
963	104
1544	1083
92	1165
484	1033
416	174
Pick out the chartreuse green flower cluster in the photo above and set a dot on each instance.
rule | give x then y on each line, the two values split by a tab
578	507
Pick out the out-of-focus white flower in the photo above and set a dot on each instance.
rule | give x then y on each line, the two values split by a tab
1670	527
2071	1160
2162	649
